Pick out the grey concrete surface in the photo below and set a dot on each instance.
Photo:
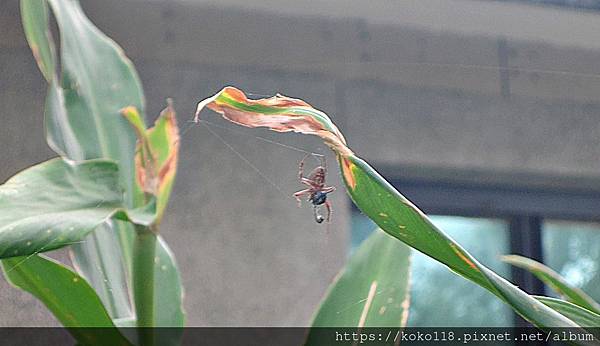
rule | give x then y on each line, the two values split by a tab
456	129
402	93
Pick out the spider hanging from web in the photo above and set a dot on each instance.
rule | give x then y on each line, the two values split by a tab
317	191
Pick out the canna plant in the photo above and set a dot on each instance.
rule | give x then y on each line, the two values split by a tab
391	211
104	196
106	193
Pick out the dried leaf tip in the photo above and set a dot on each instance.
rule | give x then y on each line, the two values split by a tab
278	113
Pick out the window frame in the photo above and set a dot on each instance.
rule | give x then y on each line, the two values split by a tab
525	200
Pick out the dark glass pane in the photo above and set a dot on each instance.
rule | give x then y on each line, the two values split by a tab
441	298
573	250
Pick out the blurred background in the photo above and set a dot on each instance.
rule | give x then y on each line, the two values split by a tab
486	114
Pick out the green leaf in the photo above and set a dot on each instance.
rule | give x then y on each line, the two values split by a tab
34	14
82	122
168	288
168	297
375	197
56	122
576	313
554	281
67	295
373	288
103	267
97	81
391	211
125	322
57	203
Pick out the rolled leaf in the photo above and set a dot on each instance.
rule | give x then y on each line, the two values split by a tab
157	152
376	198
551	278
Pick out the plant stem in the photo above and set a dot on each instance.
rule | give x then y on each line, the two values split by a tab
144	249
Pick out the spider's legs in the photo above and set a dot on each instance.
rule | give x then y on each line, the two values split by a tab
301	193
305	180
301	168
328	189
329	210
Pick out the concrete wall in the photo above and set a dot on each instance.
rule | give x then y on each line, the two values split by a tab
403	92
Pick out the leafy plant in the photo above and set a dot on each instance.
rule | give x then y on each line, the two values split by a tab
377	199
105	195
74	102
107	192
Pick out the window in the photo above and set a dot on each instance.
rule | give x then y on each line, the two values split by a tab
572	249
492	215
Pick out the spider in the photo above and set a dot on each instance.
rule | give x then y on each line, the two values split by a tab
317	191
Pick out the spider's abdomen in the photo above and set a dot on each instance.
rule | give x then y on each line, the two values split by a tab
318	198
317	175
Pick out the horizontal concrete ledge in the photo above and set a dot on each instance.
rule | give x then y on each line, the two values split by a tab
474	46
519	21
485	47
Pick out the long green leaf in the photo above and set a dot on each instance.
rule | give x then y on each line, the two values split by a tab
400	218
170	316
168	297
82	121
56	121
373	288
582	316
57	203
103	267
375	197
554	281
167	281
98	81
34	15
67	295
